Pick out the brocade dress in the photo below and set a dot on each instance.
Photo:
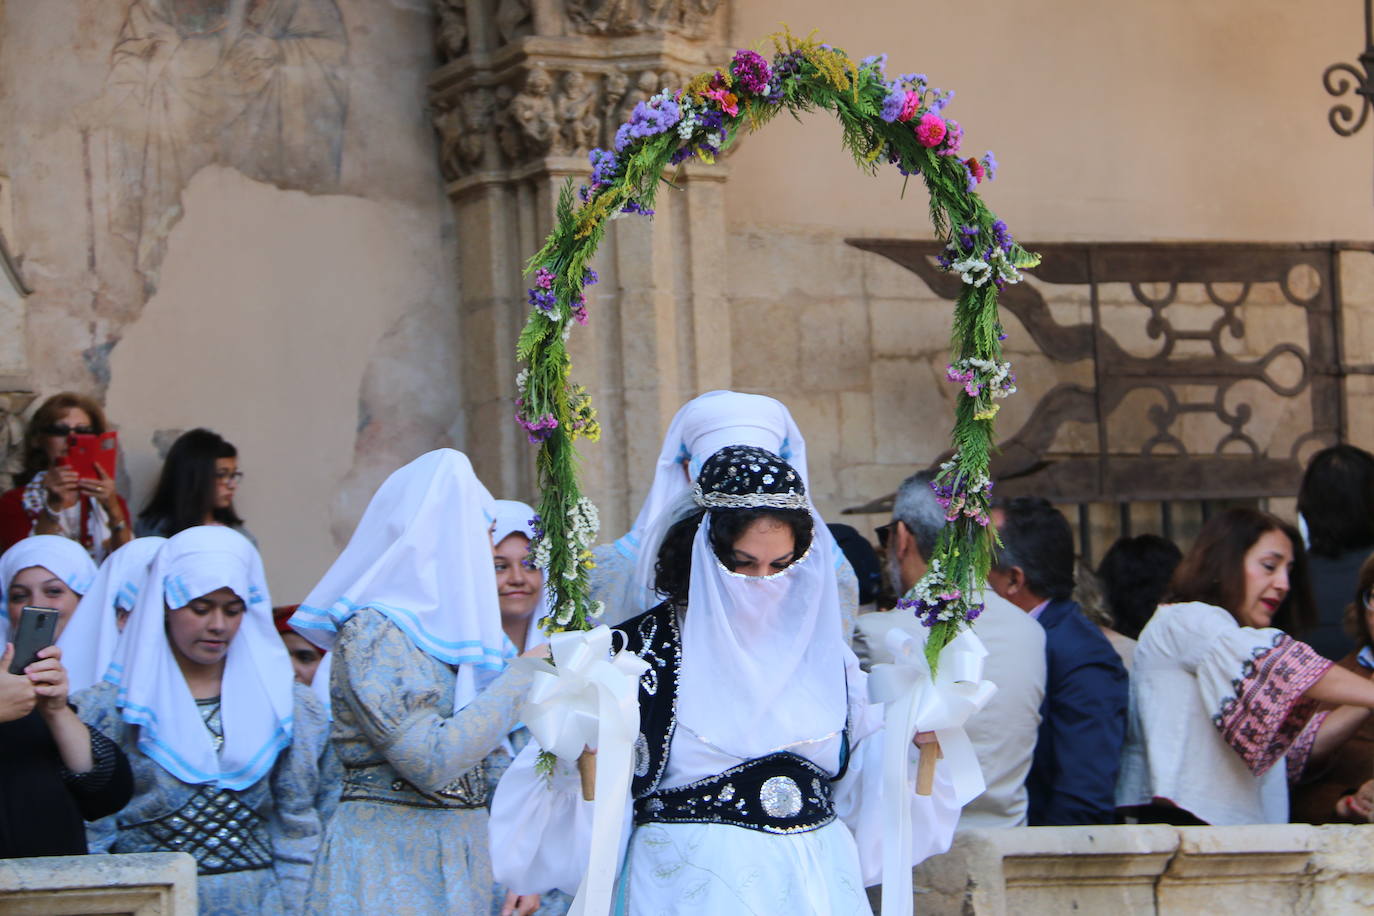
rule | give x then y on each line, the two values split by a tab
253	848
409	837
1218	722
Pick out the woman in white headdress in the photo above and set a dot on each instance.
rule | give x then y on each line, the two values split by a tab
89	640
420	699
757	769
623	578
227	751
44	571
524	600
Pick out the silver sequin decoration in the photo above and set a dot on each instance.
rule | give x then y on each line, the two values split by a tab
727	792
641	756
781	797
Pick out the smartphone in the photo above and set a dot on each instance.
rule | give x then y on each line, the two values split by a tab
37	630
86	452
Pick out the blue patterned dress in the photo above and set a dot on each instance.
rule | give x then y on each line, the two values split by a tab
410	834
253	848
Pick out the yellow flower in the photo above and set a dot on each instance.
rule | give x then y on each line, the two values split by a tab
989	413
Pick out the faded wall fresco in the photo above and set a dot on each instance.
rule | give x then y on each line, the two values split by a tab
231	214
255	85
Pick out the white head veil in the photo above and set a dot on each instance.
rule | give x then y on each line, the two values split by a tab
763	662
513	517
88	643
703	426
256	701
63	557
421	555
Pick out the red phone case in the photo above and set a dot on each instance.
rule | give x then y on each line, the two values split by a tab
85	452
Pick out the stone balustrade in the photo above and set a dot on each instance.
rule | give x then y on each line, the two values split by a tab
1272	869
138	884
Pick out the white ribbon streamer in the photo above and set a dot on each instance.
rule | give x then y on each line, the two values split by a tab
589	698
914	701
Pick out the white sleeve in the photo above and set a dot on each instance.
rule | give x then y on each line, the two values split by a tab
540	828
859	803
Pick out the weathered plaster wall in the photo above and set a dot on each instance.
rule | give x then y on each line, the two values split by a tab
239	226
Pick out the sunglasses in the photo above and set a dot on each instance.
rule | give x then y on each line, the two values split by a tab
63	430
884	532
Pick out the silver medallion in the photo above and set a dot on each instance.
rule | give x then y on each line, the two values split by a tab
641	756
780	797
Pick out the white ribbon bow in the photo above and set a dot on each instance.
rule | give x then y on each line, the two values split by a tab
590	698
915	702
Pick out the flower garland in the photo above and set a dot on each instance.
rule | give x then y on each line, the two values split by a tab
900	121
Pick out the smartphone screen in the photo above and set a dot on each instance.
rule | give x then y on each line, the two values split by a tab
37	630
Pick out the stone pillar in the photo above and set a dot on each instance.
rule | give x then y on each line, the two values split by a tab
525	91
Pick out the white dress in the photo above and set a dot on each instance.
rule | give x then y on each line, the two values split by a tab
541	827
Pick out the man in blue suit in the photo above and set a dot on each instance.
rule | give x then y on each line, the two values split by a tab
1083	718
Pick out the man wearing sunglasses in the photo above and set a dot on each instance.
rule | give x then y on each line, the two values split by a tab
1004	732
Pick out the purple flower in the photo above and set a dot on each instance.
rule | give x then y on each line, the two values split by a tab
947	257
892	105
543	278
1002	235
590	278
634	206
543	299
968	236
990	164
537	430
751	71
605	167
650	118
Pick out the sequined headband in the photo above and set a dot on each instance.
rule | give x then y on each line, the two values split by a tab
789	500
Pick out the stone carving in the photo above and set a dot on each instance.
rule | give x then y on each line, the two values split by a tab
581	128
463	133
534	115
452	33
513	20
689	18
617	84
255	85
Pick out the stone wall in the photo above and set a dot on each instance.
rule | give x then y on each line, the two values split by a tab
137	884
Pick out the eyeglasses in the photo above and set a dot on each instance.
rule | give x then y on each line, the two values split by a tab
884	532
229	476
63	430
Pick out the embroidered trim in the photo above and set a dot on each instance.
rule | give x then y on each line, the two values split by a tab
1267	711
1301	752
789	500
778	793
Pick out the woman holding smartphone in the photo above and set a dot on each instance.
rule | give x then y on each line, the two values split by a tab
231	759
53	498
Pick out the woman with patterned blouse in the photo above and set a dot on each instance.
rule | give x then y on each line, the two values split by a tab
1223	710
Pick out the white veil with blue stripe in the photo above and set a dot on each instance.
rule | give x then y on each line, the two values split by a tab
421	555
256	700
63	557
92	635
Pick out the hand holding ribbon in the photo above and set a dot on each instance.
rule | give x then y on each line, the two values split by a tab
915	700
589	698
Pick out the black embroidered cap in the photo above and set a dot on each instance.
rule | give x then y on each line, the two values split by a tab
747	477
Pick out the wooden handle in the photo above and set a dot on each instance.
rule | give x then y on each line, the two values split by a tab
586	768
925	770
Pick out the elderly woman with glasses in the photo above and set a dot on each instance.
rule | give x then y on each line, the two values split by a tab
196	487
50	497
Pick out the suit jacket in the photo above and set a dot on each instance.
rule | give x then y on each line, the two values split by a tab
1083	723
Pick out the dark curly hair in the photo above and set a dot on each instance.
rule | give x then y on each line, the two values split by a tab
673	569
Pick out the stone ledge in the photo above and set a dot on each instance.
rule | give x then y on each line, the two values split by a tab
1279	869
140	884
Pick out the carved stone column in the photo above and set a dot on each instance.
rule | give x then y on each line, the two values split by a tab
526	90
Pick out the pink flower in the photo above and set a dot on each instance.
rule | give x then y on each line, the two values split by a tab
728	102
930	130
543	278
910	106
976	169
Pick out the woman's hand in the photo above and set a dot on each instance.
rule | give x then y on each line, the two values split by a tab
519	905
49	679
539	651
102	489
17	696
63	487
